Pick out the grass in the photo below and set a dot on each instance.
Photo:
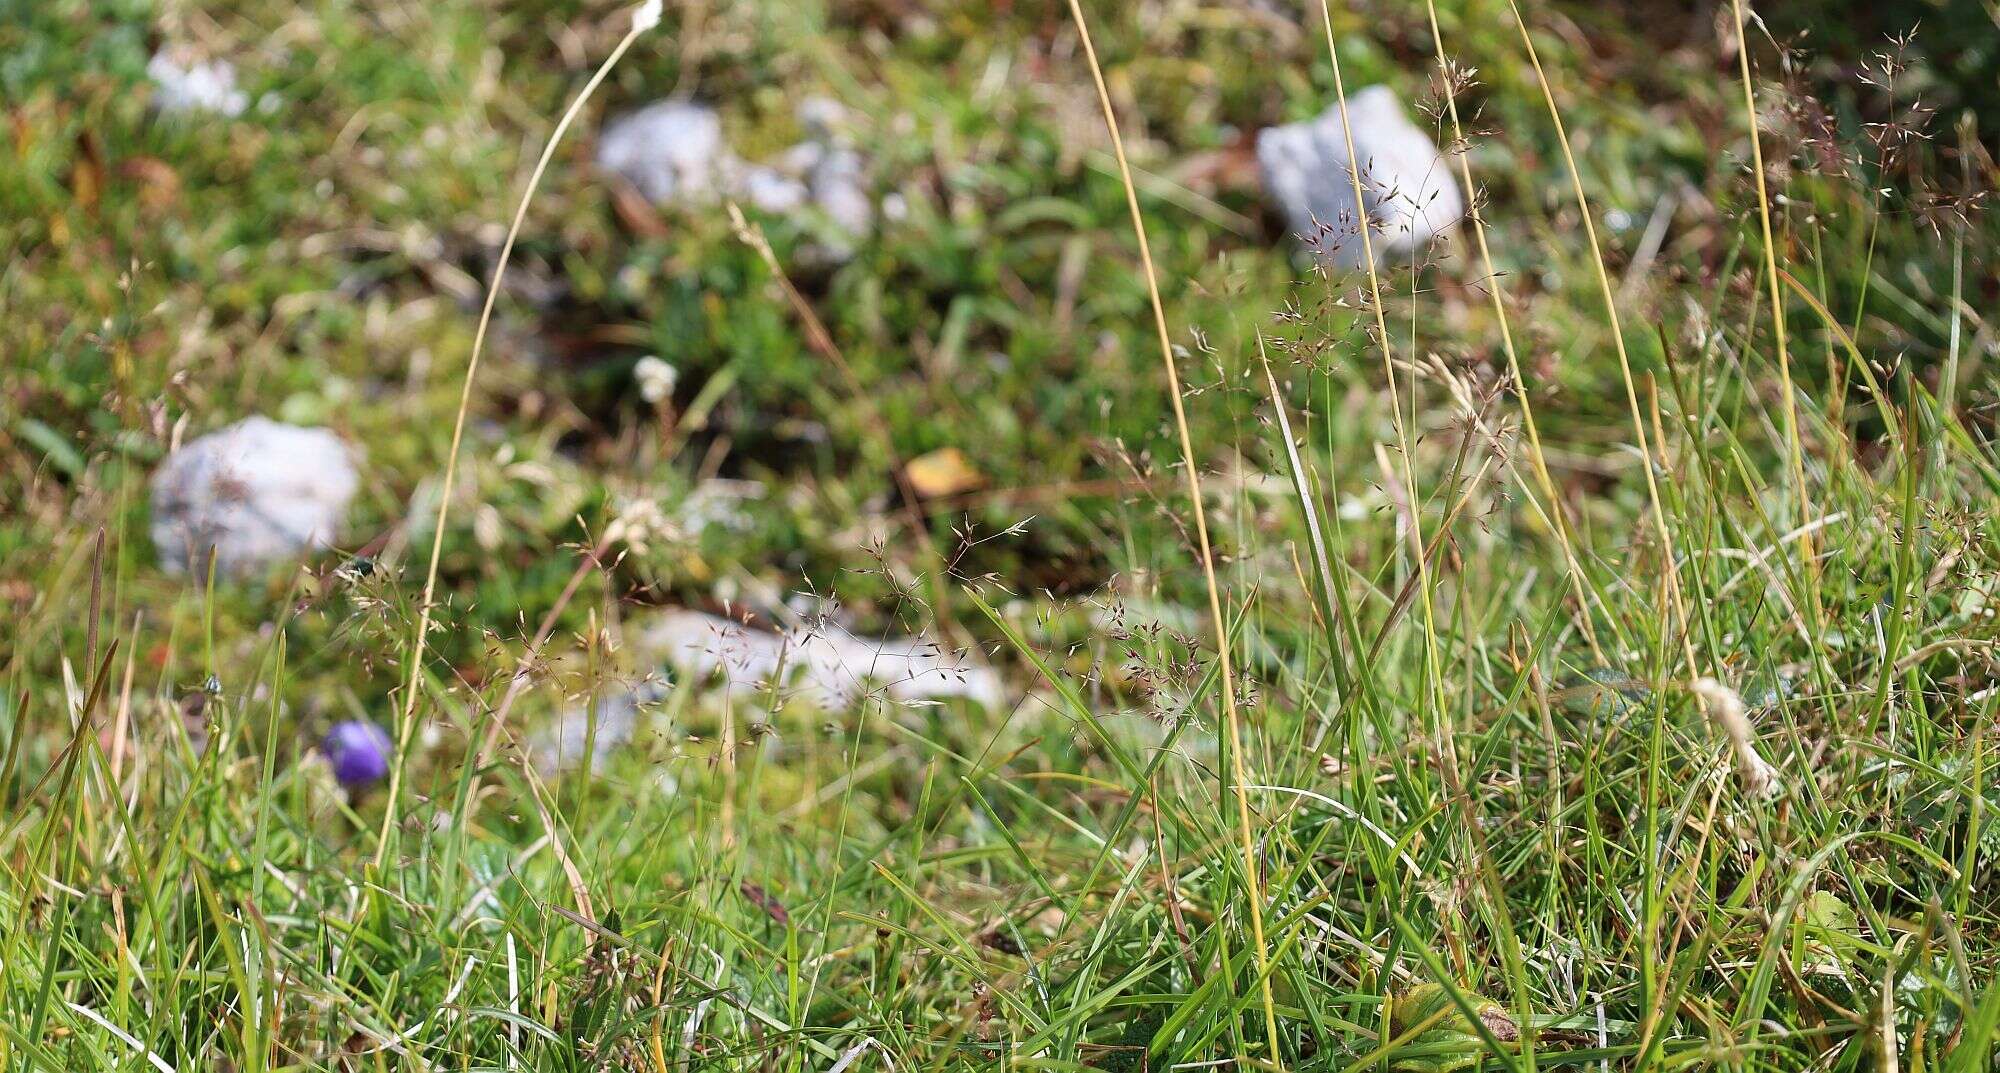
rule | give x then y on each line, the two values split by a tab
1476	529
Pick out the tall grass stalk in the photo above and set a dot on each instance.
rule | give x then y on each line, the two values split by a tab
645	16
1795	456
1232	719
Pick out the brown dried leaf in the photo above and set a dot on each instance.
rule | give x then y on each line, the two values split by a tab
159	183
86	175
637	214
762	899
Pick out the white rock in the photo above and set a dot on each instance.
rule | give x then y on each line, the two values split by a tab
1406	184
184	85
771	190
671	151
674	152
616	724
258	492
838	191
823	664
823	117
801	160
831	173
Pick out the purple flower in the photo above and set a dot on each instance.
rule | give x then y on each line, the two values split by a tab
359	752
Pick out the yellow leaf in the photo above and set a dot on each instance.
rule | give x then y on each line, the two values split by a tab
943	472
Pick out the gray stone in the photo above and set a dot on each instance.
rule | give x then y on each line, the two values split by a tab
771	190
670	151
257	492
839	191
819	662
577	732
830	171
1406	184
674	153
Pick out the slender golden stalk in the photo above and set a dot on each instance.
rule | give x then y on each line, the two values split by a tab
1670	572
1794	454
1232	721
1422	563
1611	312
1558	521
1368	258
1433	671
644	17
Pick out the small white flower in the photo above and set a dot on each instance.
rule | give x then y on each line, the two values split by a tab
656	379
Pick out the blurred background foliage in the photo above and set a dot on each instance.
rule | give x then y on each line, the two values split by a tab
317	258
